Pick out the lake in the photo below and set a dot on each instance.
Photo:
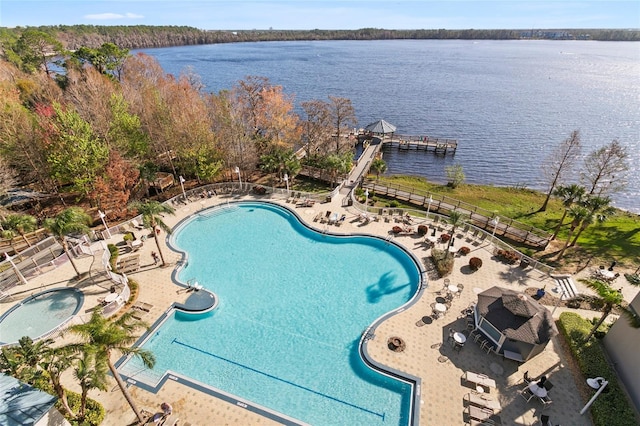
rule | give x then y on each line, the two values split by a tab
508	103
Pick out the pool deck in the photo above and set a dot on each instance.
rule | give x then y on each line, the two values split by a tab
427	353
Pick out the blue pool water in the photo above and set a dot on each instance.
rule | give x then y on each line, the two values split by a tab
39	314
293	306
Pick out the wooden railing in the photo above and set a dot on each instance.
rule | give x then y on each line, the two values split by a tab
484	219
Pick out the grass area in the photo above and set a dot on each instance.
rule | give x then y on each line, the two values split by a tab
618	238
611	408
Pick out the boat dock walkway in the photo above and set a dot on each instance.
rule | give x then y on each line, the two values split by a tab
426	143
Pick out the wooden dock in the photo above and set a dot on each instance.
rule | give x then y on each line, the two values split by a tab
436	145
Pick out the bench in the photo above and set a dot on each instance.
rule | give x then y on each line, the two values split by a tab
513	355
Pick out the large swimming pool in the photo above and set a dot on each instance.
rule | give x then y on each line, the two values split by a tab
293	304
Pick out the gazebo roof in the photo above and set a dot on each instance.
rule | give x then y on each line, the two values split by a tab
516	315
381	126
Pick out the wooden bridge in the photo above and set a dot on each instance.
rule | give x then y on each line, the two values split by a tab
504	227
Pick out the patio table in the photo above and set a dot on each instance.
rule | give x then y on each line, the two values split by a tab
538	391
441	307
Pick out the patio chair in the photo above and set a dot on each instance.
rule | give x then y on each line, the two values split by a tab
546	401
547	385
545	420
526	394
526	379
460	288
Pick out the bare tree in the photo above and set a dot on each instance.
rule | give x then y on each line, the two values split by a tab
605	170
343	116
559	162
316	126
7	175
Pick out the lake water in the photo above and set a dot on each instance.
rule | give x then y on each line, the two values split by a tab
508	103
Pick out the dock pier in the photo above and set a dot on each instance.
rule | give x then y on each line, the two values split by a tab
436	145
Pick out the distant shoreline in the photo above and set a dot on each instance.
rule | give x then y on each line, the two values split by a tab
148	36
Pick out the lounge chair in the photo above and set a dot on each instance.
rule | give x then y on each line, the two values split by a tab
136	225
326	216
318	217
142	306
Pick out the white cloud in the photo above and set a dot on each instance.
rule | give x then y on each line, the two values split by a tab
110	16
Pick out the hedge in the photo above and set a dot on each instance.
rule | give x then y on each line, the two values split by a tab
611	408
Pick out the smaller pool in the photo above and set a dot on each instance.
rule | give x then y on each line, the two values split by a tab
39	314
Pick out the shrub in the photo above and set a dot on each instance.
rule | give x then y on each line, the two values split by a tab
113	255
128	237
422	230
94	414
592	361
464	250
475	263
442	262
573	303
445	238
393	203
507	256
633	278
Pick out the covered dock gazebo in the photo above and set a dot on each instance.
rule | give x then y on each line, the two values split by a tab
381	127
519	326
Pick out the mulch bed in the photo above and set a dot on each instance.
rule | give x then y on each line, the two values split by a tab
581	302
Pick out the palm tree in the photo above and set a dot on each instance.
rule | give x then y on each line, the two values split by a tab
577	214
455	219
378	166
58	360
22	361
20	223
73	219
569	194
103	337
91	373
610	298
151	212
599	210
337	164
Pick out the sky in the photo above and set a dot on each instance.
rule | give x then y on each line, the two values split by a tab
314	14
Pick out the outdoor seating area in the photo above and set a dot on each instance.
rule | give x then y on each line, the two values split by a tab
603	274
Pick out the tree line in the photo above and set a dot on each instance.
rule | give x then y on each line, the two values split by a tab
99	123
146	36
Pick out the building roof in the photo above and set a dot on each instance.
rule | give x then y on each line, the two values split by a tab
517	315
22	404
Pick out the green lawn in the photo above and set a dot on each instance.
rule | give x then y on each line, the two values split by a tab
617	238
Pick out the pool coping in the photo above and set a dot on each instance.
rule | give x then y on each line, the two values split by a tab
413	381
